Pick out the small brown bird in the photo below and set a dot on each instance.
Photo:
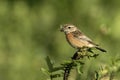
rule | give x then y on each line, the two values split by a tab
77	39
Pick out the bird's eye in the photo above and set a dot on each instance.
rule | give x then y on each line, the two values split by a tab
69	27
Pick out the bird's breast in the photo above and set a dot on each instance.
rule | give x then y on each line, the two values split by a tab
73	41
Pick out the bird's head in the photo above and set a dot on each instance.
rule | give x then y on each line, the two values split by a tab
67	28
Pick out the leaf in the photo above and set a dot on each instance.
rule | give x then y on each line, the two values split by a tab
45	71
79	69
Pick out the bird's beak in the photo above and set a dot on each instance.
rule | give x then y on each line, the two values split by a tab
61	28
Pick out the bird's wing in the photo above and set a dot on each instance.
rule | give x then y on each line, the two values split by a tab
81	36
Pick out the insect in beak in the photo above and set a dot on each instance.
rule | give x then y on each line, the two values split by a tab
61	28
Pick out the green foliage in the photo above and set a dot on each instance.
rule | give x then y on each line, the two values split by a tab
77	63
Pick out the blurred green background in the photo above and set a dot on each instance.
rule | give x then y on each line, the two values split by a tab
29	31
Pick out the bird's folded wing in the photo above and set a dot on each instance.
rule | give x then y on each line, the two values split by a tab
82	37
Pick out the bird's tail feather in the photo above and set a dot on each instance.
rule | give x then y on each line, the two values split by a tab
103	50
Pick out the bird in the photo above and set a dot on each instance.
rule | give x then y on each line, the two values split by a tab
78	39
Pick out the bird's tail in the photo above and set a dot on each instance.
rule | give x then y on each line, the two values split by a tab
103	50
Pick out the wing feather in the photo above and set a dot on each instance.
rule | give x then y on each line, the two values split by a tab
78	34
